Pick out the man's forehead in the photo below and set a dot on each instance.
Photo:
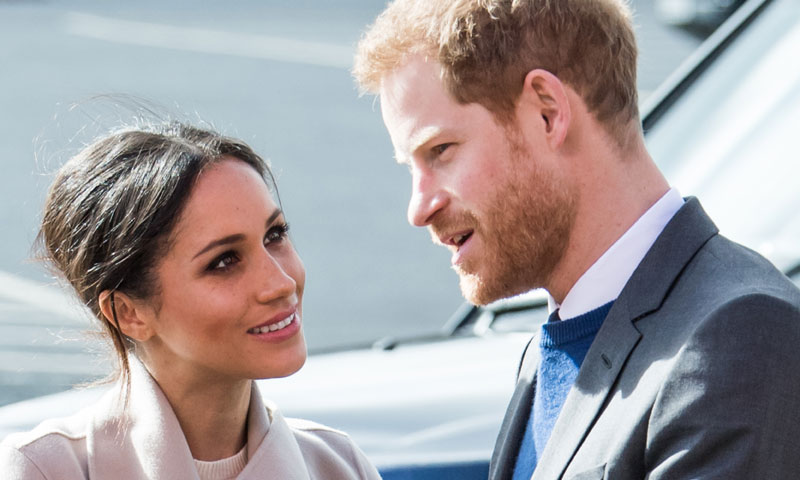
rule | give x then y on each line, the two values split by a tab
407	78
409	132
412	98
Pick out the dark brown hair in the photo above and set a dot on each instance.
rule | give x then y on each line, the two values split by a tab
112	207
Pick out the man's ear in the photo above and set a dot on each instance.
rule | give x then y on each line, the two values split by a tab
546	96
132	318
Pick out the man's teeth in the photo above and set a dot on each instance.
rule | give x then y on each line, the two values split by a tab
274	327
461	239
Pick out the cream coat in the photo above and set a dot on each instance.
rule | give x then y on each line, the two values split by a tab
146	442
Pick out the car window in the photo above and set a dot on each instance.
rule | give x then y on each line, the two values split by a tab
526	320
732	138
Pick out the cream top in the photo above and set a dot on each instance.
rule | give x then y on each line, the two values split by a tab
225	469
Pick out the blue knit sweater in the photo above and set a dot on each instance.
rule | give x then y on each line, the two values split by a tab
563	346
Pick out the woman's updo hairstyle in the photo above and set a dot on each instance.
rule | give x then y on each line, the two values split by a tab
112	207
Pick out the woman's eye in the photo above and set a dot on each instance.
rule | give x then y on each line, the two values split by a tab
223	262
276	234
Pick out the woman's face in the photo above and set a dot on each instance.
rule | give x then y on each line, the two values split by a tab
230	286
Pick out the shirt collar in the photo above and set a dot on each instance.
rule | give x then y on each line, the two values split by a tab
604	280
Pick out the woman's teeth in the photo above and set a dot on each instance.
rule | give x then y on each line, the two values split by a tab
274	327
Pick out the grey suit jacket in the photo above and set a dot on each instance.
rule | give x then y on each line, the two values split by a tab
695	372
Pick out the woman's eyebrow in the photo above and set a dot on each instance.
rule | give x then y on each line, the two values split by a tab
277	213
236	237
227	240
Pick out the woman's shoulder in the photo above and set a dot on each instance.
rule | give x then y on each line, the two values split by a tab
308	431
323	447
303	426
56	448
71	428
316	437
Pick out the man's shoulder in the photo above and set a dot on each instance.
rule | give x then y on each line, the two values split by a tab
725	271
727	289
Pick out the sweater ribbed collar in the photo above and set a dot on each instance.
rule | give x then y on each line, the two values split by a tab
557	333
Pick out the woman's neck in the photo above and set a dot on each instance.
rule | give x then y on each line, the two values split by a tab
212	414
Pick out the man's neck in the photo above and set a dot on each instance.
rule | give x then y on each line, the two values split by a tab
606	278
614	192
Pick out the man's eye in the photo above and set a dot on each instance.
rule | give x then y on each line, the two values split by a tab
439	149
276	234
224	262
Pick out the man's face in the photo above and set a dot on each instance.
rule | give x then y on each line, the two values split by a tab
476	184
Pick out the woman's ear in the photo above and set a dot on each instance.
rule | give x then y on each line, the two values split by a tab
545	96
121	311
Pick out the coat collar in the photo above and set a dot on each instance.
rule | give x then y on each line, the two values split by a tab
279	453
143	439
513	428
644	293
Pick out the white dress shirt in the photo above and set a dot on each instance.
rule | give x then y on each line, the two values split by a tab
604	280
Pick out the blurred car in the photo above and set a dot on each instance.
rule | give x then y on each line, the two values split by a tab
724	128
421	408
702	16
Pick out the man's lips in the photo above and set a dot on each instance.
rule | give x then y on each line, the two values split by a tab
457	242
455	239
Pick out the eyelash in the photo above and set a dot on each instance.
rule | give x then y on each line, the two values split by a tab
230	258
281	231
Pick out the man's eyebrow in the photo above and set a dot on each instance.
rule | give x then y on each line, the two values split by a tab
236	237
423	136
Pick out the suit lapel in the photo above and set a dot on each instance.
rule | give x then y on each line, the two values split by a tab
509	439
644	293
614	342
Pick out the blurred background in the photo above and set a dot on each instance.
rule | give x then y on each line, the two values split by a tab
274	73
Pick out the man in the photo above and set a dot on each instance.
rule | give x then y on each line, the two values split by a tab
671	352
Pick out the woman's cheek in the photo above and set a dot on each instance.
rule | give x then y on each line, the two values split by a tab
296	270
221	300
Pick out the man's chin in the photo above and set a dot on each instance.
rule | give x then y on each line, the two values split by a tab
476	291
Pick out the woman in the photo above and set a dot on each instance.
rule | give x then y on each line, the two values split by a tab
172	238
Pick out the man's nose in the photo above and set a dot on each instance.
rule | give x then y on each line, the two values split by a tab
427	198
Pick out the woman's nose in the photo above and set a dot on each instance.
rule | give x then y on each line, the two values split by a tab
276	283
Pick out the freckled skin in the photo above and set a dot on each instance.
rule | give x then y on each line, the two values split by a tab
491	180
200	326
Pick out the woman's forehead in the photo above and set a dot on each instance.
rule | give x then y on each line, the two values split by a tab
228	196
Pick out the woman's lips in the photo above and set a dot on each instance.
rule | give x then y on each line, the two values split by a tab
281	327
275	326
